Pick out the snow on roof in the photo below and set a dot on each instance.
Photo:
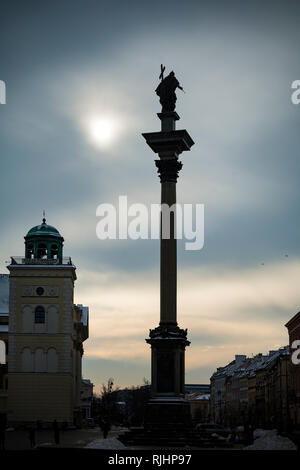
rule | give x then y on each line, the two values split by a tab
249	366
205	396
198	396
87	382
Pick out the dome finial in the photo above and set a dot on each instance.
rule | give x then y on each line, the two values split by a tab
44	219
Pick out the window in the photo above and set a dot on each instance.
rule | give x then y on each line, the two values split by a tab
27	319
40	291
54	251
42	250
30	251
52	360
26	360
39	314
52	319
39	360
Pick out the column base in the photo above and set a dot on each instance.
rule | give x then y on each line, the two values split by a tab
167	423
168	414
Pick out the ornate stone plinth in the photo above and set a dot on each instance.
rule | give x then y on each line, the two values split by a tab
168	407
165	414
168	343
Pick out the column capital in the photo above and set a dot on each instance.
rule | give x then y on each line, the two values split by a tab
168	169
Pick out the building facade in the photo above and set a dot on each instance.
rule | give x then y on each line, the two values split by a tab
4	312
220	408
293	327
200	407
86	398
253	391
46	333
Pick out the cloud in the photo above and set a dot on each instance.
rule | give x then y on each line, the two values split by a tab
227	312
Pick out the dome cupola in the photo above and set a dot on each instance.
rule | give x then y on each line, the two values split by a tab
44	242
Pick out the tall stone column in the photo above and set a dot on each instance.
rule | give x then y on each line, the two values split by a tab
168	171
168	341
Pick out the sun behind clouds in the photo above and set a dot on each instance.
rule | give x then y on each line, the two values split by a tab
103	131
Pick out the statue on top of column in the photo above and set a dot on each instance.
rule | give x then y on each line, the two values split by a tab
166	90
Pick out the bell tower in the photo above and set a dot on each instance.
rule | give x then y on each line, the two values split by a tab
46	332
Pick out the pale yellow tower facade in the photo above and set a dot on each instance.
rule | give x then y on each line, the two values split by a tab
46	333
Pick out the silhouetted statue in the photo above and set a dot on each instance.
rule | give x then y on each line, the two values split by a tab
166	91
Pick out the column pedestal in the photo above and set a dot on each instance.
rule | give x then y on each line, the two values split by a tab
168	407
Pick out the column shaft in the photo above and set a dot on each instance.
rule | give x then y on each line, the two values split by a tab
168	259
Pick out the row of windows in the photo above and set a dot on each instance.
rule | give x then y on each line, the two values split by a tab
39	360
42	251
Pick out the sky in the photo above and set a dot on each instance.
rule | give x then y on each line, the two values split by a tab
74	69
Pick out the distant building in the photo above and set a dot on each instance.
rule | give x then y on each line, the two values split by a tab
199	397
4	311
86	398
220	407
200	407
200	388
293	327
45	333
252	390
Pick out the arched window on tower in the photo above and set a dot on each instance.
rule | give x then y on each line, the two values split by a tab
27	319
52	319
39	360
52	360
54	251
26	360
42	250
39	314
30	251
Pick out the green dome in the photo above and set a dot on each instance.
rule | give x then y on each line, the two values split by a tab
43	230
44	242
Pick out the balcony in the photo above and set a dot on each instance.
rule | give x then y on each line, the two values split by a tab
18	260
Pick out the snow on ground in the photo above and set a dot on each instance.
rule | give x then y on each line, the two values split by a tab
270	440
111	443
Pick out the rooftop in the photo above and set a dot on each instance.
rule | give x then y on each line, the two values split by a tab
250	365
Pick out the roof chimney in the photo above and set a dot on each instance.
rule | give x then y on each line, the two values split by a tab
239	359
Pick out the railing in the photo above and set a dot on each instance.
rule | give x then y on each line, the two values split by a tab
40	261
